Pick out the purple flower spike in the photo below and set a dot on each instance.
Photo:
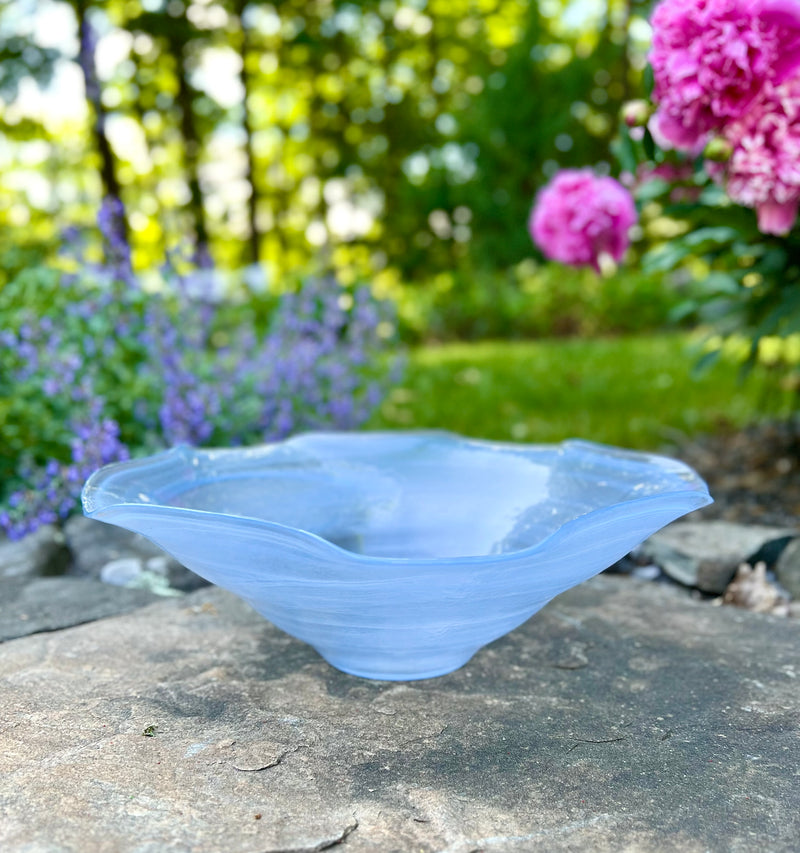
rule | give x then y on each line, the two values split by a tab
122	372
111	221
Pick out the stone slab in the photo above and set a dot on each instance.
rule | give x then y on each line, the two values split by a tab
49	604
622	717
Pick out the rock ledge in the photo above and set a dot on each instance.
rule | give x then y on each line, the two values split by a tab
623	716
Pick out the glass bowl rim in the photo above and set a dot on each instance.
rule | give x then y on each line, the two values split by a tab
695	495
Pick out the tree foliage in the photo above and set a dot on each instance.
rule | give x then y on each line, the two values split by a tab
392	138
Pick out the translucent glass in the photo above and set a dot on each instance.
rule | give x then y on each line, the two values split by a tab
396	555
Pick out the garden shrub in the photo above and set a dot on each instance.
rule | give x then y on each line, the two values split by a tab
533	300
100	364
716	154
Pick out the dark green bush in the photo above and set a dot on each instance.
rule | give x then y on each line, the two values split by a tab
533	301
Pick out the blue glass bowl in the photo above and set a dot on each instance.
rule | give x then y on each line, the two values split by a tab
396	555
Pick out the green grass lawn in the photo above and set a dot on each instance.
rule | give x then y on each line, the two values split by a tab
635	391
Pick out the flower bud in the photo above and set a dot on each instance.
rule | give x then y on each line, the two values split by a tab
636	113
718	150
606	265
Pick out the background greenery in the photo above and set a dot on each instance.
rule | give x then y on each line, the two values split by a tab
387	140
398	142
633	391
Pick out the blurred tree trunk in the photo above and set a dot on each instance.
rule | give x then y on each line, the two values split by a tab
615	47
86	59
245	46
191	146
177	37
149	182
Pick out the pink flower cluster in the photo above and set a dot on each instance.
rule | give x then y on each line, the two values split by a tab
732	68
764	169
581	219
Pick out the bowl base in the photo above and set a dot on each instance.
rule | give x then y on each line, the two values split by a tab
401	668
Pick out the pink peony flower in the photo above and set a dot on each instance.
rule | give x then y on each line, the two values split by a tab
711	58
764	169
581	219
784	15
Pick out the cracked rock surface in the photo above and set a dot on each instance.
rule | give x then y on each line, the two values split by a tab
622	717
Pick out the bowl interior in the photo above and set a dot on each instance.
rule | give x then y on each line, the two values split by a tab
436	499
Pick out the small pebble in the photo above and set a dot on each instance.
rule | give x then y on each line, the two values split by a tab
122	572
647	573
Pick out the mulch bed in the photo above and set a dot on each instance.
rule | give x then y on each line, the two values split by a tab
753	474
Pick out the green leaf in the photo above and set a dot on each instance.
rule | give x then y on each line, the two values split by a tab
665	257
651	190
717	309
742	249
704	238
720	282
713	196
648	79
706	361
787	307
792	325
649	145
623	149
773	260
682	311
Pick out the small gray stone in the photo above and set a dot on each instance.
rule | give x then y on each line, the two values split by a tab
48	604
124	571
650	572
132	573
43	552
95	545
706	554
788	568
159	565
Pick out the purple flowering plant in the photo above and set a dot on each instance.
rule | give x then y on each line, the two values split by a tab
95	367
